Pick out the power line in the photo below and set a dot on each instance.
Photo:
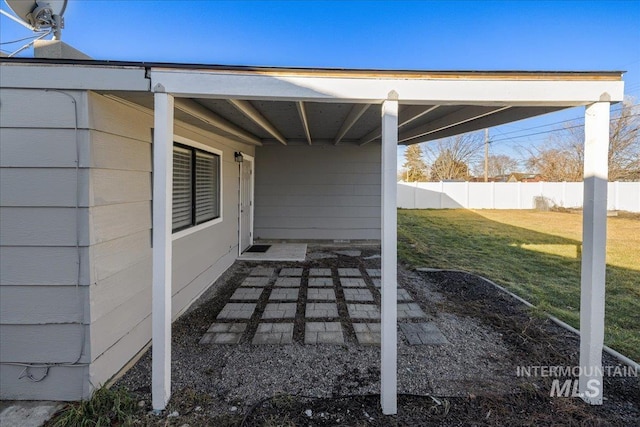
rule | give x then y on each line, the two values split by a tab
549	131
614	110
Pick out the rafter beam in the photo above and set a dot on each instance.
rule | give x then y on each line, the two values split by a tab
354	115
202	113
303	118
511	115
407	115
246	108
463	115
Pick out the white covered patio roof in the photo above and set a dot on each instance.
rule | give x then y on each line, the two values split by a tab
312	106
285	105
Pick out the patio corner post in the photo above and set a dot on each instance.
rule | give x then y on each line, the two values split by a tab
389	332
594	240
161	242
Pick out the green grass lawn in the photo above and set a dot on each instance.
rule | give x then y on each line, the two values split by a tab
534	254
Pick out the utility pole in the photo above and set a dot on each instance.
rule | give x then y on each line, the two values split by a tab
486	155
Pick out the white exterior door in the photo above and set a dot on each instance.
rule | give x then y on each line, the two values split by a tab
246	203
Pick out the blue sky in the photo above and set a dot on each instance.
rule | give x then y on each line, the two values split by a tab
414	35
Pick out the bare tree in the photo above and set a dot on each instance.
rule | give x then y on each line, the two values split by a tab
415	169
561	158
450	158
499	164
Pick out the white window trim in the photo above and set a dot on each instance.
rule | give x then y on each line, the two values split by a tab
196	228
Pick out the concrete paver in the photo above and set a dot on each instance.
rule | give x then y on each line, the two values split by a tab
374	272
349	272
255	282
224	333
351	253
273	333
363	311
237	310
403	295
288	282
423	333
280	310
410	311
296	272
325	282
353	283
360	295
248	294
262	271
319	272
321	310
367	333
323	333
284	294
321	294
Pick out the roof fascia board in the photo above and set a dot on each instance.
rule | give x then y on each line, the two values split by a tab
512	92
79	77
336	72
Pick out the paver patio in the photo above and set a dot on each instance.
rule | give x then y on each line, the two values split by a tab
271	296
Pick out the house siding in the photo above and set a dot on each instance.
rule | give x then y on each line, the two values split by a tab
44	239
120	223
75	276
320	192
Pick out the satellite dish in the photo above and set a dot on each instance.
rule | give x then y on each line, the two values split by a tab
38	15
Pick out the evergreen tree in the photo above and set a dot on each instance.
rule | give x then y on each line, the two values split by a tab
415	169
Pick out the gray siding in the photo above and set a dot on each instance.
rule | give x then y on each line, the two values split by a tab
120	224
44	298
58	298
318	192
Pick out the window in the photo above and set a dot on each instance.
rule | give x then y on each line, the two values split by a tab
196	186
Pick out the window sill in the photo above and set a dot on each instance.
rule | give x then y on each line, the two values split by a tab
200	227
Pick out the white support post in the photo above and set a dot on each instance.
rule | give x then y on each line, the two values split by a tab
389	342
162	212
594	239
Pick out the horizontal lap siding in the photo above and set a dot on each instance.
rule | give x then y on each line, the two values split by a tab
62	383
120	220
120	223
318	192
44	275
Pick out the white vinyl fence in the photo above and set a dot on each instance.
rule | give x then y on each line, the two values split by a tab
624	196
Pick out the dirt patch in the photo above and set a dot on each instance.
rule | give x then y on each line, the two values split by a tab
470	381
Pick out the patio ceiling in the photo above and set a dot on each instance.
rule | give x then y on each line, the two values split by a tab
321	123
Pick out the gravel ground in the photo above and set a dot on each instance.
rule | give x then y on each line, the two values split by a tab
219	384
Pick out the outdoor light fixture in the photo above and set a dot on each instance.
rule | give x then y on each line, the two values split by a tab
237	156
